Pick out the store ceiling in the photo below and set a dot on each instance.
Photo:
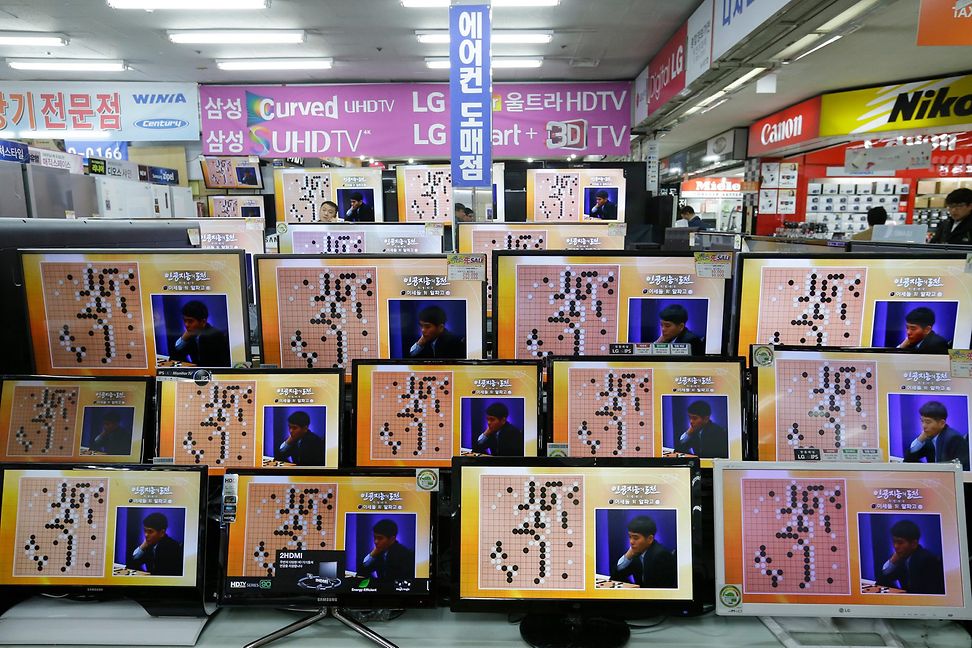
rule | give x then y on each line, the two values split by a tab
883	50
370	40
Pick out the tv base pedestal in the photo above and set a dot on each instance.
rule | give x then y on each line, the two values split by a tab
812	632
565	631
320	615
123	622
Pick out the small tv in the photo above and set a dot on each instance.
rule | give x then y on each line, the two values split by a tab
578	304
127	312
105	532
301	194
573	194
231	173
649	407
833	404
612	538
327	311
346	539
425	413
841	540
359	238
51	420
246	418
236	207
853	300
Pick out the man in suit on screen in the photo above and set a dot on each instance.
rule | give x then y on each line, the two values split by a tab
390	560
647	561
911	567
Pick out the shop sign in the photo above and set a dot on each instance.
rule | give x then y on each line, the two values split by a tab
945	22
412	120
163	176
14	152
796	124
57	160
924	104
640	98
124	111
736	19
666	72
470	88
725	188
893	158
698	43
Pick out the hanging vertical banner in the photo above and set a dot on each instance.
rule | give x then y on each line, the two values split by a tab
470	92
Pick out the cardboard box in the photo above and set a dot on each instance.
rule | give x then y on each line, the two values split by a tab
830	187
847	188
927	187
865	189
814	188
885	188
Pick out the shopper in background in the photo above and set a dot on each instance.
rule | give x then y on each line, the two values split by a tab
462	213
687	214
957	228
875	216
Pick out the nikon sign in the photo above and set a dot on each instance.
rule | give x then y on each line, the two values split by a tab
925	104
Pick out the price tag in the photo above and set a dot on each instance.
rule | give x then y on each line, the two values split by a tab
466	267
714	265
194	236
69	214
960	363
617	229
434	229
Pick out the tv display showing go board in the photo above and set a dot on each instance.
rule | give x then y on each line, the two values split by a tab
359	238
841	539
114	313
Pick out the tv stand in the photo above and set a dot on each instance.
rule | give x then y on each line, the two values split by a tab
338	613
806	632
573	631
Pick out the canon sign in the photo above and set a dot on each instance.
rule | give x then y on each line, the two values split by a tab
786	129
799	123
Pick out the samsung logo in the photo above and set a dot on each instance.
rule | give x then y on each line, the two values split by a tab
161	124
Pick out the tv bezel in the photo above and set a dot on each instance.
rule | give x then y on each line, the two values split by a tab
745	430
611	607
148	418
356	365
341	600
728	298
147	323
795	608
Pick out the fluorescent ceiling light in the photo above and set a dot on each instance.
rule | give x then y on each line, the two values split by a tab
711	158
715	105
744	79
40	39
692	110
68	65
707	101
189	5
442	63
240	36
842	19
276	64
797	47
425	4
822	45
504	36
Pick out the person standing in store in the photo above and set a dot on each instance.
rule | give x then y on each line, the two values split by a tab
875	216
957	228
688	215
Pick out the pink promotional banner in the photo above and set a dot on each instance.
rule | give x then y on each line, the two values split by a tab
411	120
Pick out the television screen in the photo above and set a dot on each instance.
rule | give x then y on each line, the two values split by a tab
575	194
359	238
425	413
328	311
112	313
70	527
596	533
551	303
648	407
236	207
45	419
235	234
231	173
322	195
346	539
483	238
250	417
841	539
856	300
831	403
425	193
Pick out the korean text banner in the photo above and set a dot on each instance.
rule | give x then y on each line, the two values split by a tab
920	104
470	83
118	111
411	120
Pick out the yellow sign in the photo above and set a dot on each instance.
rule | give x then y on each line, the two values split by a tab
923	104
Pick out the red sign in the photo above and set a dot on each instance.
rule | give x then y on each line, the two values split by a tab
799	123
713	188
666	72
945	22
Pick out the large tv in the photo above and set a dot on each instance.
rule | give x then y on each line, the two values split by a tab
867	404
841	540
557	303
852	300
359	238
328	311
347	539
425	413
48	419
649	407
231	173
614	538
248	418
113	313
121	531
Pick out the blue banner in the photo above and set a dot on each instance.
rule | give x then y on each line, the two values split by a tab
470	95
161	175
14	152
102	149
